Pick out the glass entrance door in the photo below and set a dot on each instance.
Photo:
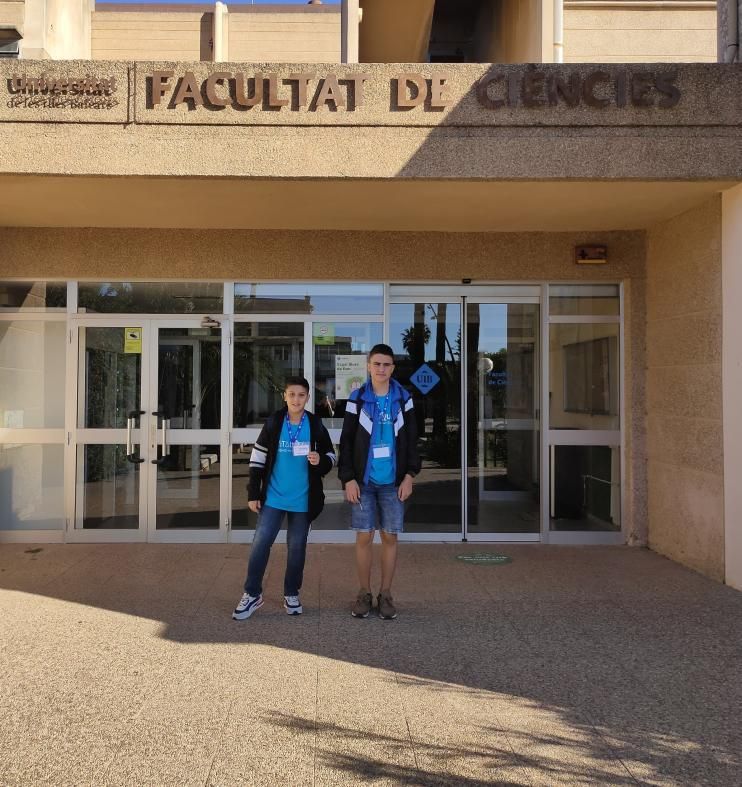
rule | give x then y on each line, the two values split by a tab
472	361
187	443
426	337
149	440
108	441
503	436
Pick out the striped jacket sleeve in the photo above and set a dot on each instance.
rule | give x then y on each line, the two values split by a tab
326	450
258	459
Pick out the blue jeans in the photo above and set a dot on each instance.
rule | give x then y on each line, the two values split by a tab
297	530
378	502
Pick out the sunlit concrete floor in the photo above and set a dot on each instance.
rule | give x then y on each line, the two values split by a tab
121	665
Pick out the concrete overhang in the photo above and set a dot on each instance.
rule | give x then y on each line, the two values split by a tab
376	205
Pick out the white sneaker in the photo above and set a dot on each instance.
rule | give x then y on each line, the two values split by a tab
247	605
292	605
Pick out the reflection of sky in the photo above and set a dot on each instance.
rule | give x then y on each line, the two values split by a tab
493	327
344	298
359	336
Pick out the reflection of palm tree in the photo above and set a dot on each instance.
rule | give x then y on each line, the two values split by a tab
440	318
414	335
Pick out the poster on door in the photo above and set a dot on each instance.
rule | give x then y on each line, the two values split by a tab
133	341
350	373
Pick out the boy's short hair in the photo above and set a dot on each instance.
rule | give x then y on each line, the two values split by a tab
296	380
382	349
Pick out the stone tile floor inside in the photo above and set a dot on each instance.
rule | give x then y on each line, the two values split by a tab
121	665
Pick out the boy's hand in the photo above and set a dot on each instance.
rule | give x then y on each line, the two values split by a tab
352	492
254	505
405	488
313	458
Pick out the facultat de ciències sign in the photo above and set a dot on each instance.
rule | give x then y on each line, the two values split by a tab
306	90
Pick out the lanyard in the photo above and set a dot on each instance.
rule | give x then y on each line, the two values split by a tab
294	437
384	408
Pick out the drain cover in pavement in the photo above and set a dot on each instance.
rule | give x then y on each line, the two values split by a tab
491	558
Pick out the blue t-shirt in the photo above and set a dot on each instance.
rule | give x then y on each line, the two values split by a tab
288	487
382	443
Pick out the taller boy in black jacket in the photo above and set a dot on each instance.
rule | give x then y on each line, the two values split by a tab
288	461
378	460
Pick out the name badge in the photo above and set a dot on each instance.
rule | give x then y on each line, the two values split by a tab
301	449
381	452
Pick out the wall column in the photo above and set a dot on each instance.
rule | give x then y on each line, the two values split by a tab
349	20
731	261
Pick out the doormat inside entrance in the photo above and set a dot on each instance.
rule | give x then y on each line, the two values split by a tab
489	558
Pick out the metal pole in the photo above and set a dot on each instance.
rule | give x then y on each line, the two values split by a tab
558	31
731	48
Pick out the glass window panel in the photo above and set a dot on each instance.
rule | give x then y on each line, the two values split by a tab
577	299
172	297
503	430
430	333
322	298
188	487
189	381
31	487
107	488
584	376
32	374
111	379
33	296
586	488
265	354
334	344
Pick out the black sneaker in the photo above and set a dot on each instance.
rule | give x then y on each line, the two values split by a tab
387	610
247	605
363	604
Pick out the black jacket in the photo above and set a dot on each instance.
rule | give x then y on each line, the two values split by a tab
264	454
355	439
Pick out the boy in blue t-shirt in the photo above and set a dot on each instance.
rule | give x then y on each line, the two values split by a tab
378	460
288	461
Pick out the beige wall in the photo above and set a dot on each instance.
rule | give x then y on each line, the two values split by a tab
517	32
639	35
301	37
56	29
395	32
12	13
151	35
684	397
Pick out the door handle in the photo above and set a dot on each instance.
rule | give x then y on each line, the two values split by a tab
129	438
133	414
130	442
164	445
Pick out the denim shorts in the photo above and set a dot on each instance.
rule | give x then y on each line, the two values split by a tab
380	506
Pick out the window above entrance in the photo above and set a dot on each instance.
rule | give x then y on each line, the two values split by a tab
322	298
33	296
125	297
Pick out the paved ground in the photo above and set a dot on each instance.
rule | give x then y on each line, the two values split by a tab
119	664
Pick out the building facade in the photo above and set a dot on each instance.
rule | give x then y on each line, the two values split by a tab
552	249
